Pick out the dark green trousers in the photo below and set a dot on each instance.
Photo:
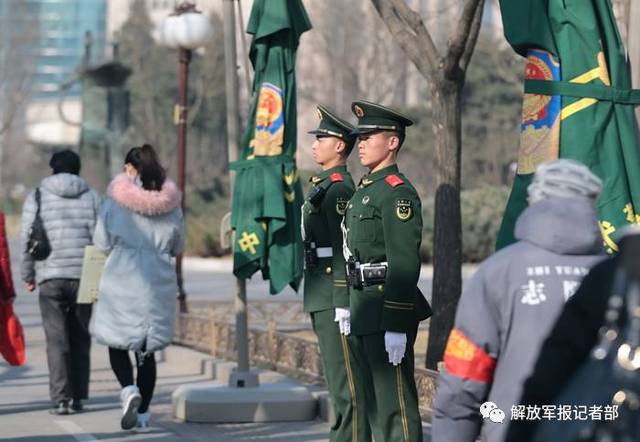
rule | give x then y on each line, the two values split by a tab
391	396
345	389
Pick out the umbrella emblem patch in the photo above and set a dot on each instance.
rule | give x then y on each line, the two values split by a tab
269	134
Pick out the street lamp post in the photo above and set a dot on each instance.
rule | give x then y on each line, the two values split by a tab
186	29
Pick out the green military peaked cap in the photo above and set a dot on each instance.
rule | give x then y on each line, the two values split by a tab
333	126
374	117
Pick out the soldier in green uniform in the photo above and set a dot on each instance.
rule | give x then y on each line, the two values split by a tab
383	229
325	285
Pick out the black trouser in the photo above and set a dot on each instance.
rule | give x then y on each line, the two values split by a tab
66	328
145	379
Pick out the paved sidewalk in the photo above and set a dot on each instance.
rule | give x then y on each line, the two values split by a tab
24	401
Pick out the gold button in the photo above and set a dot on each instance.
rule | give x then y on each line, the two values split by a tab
381	288
328	270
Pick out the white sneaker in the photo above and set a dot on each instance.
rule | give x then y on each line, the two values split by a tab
130	399
143	423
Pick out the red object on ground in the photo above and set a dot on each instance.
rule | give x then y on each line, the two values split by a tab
7	290
11	336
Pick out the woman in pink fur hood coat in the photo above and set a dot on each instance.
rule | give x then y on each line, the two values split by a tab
141	228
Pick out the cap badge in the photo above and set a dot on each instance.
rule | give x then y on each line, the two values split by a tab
358	111
319	114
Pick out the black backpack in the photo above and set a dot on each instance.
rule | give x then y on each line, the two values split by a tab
609	380
38	243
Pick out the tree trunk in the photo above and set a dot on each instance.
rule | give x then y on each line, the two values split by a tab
447	246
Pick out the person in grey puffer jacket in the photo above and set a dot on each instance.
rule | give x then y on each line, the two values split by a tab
512	301
69	210
141	228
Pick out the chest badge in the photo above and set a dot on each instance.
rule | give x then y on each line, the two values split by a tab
365	199
404	209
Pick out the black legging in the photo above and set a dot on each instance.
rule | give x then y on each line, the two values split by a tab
146	379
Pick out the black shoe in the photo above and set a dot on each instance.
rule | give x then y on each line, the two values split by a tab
76	406
61	408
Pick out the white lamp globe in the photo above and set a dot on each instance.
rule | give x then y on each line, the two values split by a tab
191	30
165	33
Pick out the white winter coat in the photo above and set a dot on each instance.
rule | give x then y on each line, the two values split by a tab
141	231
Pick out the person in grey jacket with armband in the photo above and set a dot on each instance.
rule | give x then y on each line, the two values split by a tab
510	304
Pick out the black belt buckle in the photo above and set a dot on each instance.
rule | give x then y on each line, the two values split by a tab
373	274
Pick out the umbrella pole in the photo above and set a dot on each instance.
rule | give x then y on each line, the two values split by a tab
242	377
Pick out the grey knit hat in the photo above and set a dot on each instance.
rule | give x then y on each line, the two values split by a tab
564	178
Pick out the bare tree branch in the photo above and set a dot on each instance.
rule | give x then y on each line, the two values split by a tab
473	36
410	33
413	19
458	41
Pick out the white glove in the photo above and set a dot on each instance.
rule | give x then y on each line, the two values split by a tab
343	318
395	344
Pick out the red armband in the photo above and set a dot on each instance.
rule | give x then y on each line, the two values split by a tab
466	360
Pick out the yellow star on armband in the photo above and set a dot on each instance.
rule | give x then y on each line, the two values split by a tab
607	229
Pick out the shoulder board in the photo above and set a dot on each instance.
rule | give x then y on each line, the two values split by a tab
394	180
336	177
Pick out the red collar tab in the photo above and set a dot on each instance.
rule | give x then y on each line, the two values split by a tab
394	180
335	177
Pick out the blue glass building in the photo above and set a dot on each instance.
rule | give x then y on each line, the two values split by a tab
61	37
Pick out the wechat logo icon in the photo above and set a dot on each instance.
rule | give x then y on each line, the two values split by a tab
489	410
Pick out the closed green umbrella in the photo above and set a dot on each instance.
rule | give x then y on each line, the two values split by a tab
267	195
578	104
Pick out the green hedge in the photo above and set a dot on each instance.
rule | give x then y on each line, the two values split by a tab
482	211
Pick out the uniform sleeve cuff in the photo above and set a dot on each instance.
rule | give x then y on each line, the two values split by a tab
398	318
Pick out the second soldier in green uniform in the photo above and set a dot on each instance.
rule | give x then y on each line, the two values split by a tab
325	285
383	229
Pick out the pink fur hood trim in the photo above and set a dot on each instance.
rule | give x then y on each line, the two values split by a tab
146	202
